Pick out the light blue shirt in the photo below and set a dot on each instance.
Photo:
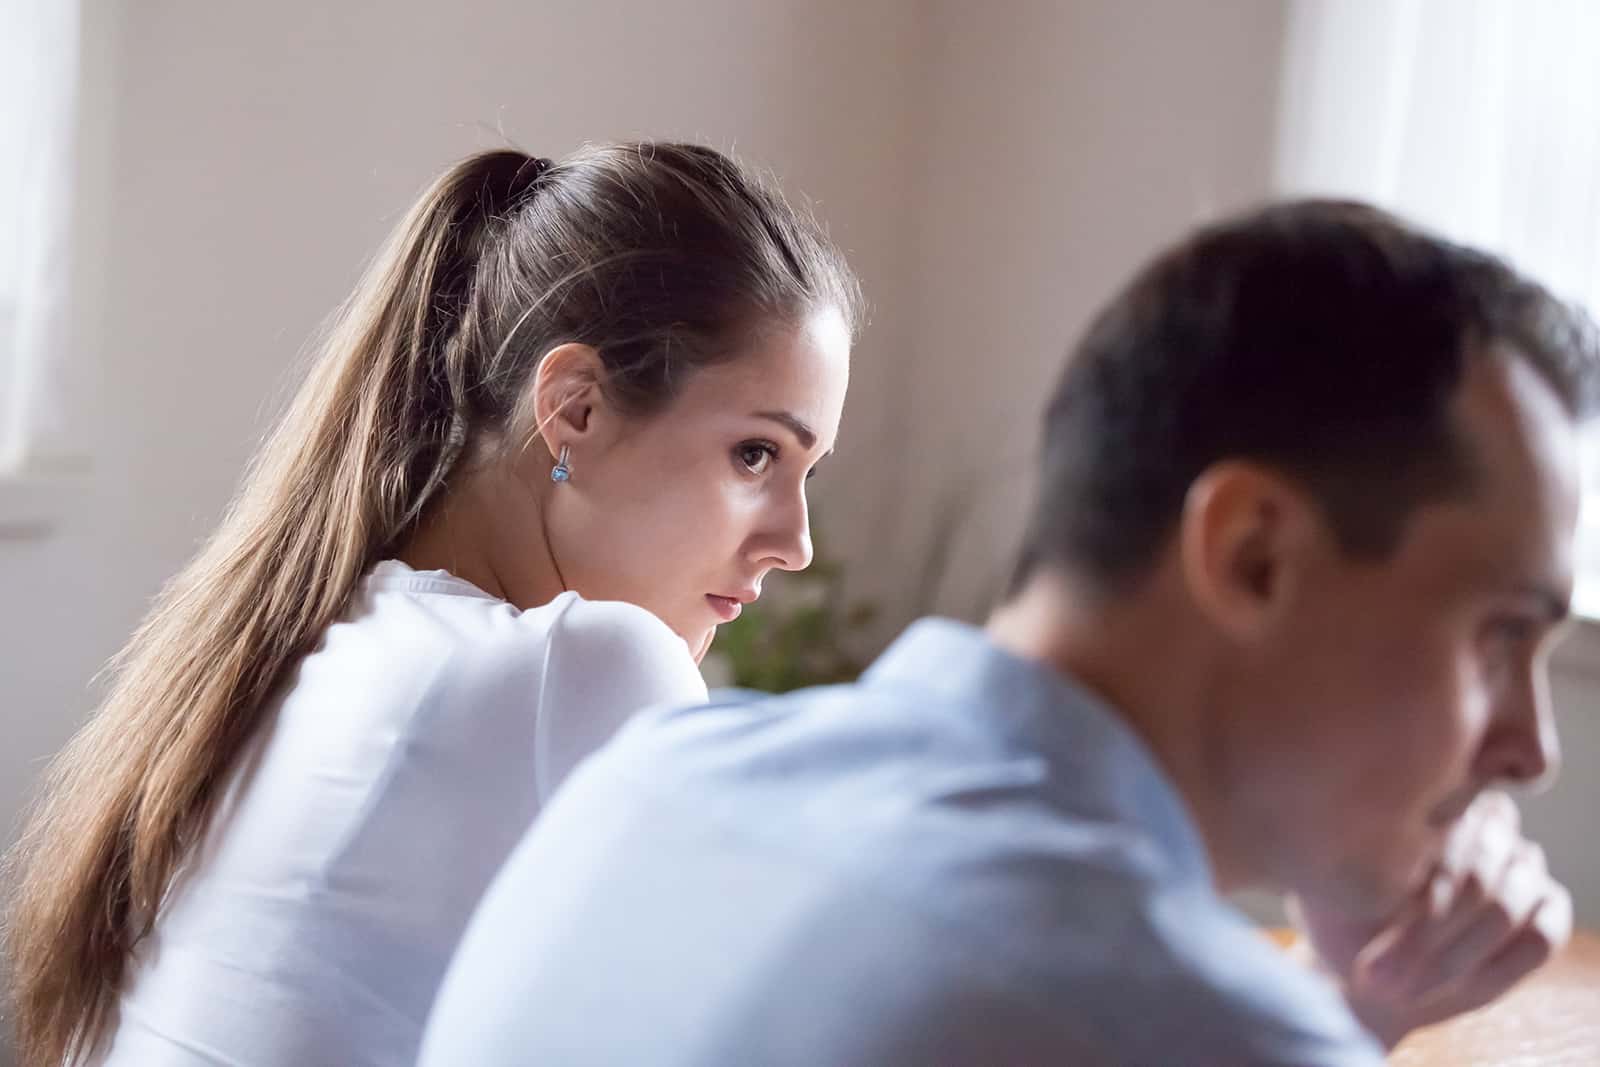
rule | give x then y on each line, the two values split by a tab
962	860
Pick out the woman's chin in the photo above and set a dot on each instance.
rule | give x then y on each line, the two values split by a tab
699	647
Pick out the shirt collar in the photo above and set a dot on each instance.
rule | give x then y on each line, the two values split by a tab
1098	765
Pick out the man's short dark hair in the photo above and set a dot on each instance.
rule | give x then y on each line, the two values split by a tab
1324	339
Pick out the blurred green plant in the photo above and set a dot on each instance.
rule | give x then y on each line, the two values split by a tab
799	634
806	630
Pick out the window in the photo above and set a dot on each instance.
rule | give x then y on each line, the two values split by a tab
39	78
1478	118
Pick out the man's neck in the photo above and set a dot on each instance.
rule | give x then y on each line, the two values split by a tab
1141	655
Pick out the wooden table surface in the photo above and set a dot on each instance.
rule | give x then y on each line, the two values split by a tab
1552	1019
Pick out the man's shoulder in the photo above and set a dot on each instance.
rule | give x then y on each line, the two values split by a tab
905	811
1187	971
828	737
846	813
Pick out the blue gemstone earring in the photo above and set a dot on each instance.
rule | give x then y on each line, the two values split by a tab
561	472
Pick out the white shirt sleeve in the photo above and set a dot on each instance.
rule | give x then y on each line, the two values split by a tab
605	660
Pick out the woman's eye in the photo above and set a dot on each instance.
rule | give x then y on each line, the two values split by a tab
756	457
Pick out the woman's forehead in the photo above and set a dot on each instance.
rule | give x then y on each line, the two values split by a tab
800	373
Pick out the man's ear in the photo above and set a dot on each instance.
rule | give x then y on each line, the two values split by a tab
1244	539
568	400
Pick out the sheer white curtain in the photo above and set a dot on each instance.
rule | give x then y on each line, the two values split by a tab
1478	118
39	80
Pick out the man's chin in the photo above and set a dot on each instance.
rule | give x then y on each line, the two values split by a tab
1371	895
1389	891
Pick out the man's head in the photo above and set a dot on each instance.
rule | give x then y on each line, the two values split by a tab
1342	453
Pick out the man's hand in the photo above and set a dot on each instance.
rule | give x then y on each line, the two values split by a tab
1489	914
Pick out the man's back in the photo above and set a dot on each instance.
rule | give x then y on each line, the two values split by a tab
962	860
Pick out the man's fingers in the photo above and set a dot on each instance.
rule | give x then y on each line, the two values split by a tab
1524	954
1545	934
1497	921
1461	846
1502	807
1478	850
1490	914
1553	919
1529	949
1388	961
1467	913
1487	885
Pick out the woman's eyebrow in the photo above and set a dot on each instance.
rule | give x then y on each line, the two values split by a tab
805	434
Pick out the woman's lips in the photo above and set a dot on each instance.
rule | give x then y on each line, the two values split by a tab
726	607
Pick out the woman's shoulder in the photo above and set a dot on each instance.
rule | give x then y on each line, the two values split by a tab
605	662
598	645
594	640
612	627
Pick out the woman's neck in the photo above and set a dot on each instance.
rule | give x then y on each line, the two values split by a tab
488	529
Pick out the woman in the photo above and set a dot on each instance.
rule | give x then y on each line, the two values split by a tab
560	433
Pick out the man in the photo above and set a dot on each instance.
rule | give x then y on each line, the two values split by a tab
1302	539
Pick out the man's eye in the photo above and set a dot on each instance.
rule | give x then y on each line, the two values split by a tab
1514	630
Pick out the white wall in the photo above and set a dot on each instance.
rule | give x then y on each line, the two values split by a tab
1068	141
1405	105
994	170
1563	819
258	152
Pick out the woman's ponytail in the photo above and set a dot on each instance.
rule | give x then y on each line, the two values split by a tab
368	438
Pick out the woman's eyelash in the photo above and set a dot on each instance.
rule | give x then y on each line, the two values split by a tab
769	449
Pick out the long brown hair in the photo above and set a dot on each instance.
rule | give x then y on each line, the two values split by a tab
665	257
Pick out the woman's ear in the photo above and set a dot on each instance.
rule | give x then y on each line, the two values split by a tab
568	395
